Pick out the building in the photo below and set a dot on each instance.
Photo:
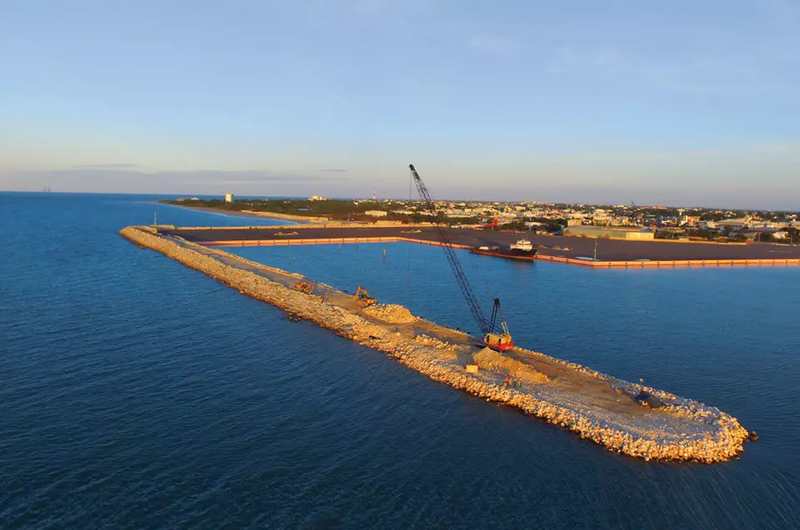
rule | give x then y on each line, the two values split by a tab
376	213
229	197
608	233
689	220
317	198
734	223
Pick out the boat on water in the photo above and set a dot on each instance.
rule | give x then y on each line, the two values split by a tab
522	249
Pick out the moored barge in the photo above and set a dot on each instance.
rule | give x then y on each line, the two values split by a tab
522	249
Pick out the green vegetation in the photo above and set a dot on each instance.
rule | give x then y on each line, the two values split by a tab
670	233
669	223
702	233
794	236
514	225
341	210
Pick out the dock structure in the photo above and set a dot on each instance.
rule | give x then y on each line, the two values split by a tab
623	417
559	249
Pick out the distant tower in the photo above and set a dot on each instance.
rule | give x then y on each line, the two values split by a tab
229	197
374	196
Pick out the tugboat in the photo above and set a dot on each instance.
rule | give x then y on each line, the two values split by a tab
522	249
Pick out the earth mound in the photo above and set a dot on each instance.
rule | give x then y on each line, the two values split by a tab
493	361
391	313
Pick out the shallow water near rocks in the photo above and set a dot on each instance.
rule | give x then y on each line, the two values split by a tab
138	393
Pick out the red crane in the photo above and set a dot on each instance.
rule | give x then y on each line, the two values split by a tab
495	331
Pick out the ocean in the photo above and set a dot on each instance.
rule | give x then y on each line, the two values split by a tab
137	393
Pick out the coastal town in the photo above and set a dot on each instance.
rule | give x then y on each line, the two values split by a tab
637	222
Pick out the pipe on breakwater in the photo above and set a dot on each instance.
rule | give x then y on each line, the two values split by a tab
424	354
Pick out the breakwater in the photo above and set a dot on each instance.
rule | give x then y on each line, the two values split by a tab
621	416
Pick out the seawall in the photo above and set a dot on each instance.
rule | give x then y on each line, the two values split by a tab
595	406
635	264
627	254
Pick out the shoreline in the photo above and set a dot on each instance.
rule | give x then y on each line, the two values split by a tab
250	214
604	410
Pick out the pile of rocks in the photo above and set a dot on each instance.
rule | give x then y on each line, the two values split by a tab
488	359
713	435
391	313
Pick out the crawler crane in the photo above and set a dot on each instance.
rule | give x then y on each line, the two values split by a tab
494	330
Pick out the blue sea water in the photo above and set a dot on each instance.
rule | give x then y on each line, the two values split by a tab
137	393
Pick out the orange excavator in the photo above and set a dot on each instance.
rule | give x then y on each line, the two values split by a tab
305	287
362	298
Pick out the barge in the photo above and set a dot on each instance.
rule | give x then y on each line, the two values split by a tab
522	249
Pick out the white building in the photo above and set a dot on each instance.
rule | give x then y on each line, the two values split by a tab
600	215
610	233
229	197
317	198
376	213
734	223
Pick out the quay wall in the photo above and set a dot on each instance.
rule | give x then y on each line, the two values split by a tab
321	241
723	437
540	257
669	263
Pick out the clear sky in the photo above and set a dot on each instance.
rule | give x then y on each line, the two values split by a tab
660	102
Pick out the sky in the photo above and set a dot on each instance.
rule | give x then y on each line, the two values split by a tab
675	103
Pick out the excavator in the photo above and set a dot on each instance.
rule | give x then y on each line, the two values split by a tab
305	287
494	330
362	298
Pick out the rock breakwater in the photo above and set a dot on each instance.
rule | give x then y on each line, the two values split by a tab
596	406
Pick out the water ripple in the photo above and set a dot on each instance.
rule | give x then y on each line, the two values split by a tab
140	394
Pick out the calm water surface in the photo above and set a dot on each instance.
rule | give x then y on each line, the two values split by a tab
137	393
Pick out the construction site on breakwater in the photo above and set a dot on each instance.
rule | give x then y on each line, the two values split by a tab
623	417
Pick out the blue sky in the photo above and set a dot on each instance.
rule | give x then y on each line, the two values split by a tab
679	102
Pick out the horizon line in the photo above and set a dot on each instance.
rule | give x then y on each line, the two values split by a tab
302	197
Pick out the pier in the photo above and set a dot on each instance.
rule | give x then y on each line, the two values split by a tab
623	417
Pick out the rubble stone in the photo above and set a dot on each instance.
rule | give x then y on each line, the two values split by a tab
391	313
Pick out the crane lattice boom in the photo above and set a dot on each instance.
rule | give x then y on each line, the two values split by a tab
450	252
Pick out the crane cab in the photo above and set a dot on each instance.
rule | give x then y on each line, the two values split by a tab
501	341
498	342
